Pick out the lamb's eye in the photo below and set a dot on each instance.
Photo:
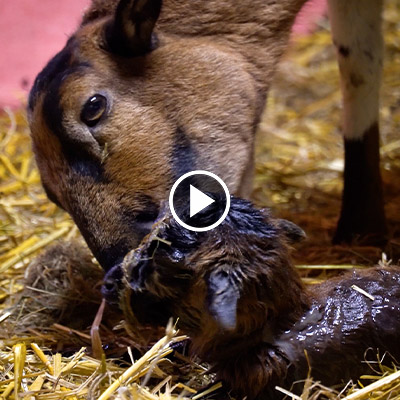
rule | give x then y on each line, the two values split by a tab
93	110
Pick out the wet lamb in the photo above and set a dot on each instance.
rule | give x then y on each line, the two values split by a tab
237	294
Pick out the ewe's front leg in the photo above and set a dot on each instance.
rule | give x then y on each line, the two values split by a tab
357	35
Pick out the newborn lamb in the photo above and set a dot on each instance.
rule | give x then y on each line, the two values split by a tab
236	293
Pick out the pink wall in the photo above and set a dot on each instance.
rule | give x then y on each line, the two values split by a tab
31	31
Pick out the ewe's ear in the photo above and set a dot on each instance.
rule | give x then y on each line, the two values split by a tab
131	32
223	295
293	233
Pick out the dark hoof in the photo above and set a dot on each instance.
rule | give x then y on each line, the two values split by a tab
362	218
349	233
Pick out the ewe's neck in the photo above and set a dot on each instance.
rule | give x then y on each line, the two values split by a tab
257	29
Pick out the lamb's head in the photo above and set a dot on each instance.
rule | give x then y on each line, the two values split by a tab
231	284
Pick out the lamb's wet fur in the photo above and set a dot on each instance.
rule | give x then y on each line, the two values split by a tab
237	294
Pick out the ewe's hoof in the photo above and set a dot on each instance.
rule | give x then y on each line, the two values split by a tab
350	233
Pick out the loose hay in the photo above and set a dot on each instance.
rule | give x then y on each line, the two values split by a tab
44	322
62	285
29	373
300	150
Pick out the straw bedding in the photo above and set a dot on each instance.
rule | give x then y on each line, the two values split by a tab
56	341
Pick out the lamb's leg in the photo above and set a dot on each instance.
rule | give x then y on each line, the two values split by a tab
357	35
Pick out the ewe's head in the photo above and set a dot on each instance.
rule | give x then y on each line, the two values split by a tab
124	110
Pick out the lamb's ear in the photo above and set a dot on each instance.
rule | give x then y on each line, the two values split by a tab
223	295
293	233
131	31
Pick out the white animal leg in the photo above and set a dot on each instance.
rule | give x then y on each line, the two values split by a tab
357	35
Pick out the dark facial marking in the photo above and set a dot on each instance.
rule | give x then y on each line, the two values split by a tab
80	161
183	154
77	157
57	65
49	82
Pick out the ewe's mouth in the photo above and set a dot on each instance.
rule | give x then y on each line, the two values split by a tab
115	242
113	280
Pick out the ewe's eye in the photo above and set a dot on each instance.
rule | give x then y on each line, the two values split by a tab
93	110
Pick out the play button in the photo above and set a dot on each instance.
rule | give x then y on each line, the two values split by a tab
199	200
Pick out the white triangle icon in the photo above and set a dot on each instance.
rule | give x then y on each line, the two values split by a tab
198	201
